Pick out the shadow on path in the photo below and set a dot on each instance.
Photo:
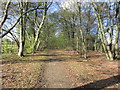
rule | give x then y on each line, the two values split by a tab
30	61
100	84
41	55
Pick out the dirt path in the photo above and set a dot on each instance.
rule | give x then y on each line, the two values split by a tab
56	75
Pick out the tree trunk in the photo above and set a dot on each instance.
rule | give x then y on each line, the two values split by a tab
40	27
22	28
38	45
21	42
84	47
106	46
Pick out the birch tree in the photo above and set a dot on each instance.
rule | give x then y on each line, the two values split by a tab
36	42
109	47
23	7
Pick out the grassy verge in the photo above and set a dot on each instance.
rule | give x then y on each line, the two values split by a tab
7	55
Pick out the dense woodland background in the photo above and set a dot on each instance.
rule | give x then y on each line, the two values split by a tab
27	27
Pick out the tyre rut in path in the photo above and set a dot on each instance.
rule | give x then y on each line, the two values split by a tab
55	74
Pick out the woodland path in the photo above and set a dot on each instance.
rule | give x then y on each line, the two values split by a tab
56	74
60	69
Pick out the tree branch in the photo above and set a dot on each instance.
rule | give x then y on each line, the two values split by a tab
7	31
5	14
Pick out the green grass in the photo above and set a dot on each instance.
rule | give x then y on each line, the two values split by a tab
7	55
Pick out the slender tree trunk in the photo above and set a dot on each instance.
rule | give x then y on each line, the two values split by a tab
21	42
22	28
40	27
116	46
78	42
38	45
105	44
95	45
82	36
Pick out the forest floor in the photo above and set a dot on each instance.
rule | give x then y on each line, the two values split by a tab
59	69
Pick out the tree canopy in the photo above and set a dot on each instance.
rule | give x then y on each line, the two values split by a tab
81	26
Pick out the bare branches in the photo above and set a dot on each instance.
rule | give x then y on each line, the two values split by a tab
5	14
7	31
